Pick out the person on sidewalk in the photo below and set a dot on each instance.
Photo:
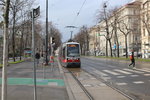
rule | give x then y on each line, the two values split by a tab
132	59
37	56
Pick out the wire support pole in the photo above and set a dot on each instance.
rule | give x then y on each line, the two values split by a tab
46	32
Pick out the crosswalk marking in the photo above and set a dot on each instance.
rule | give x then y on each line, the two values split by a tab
93	78
100	73
121	83
111	66
110	72
106	78
87	85
135	71
121	76
121	71
102	84
134	75
146	74
144	70
138	82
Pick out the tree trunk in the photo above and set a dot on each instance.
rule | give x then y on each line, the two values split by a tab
117	42
126	46
118	49
110	47
21	41
5	51
106	48
13	35
87	45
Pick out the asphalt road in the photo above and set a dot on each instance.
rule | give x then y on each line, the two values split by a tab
133	82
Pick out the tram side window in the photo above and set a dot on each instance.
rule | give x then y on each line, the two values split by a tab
64	52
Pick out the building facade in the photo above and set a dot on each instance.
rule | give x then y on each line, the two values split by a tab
124	21
145	28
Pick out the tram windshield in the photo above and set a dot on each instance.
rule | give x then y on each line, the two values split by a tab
73	50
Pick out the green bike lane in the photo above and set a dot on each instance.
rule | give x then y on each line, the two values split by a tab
30	81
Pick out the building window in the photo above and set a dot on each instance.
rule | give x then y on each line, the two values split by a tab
134	11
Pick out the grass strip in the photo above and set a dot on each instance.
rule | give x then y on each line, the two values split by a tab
16	62
123	58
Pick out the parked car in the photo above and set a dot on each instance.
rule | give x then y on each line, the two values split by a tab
101	54
139	54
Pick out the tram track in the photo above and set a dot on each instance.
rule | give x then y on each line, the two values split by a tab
111	86
89	95
80	84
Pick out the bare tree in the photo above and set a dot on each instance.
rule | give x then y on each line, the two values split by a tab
83	38
79	37
52	32
104	16
146	18
114	26
19	9
125	29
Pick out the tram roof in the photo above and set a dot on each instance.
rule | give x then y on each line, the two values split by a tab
64	44
71	43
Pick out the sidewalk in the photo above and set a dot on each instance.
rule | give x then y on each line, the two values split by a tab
50	86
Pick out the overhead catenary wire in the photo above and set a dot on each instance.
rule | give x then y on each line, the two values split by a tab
79	11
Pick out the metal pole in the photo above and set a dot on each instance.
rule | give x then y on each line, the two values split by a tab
71	35
46	32
33	54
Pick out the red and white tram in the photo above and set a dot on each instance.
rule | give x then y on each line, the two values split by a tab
69	54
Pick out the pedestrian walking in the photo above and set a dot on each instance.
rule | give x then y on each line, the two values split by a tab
132	59
37	56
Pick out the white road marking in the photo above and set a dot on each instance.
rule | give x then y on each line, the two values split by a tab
52	83
134	75
144	70
146	74
102	84
106	78
121	71
110	72
111	66
100	73
121	83
87	85
121	76
138	82
93	78
135	71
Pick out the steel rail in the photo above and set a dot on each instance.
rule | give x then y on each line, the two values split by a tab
83	88
108	84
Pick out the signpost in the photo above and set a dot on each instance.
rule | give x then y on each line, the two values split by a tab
35	14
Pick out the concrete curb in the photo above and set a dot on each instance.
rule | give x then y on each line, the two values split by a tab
70	94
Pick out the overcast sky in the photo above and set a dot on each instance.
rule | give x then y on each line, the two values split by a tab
64	13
